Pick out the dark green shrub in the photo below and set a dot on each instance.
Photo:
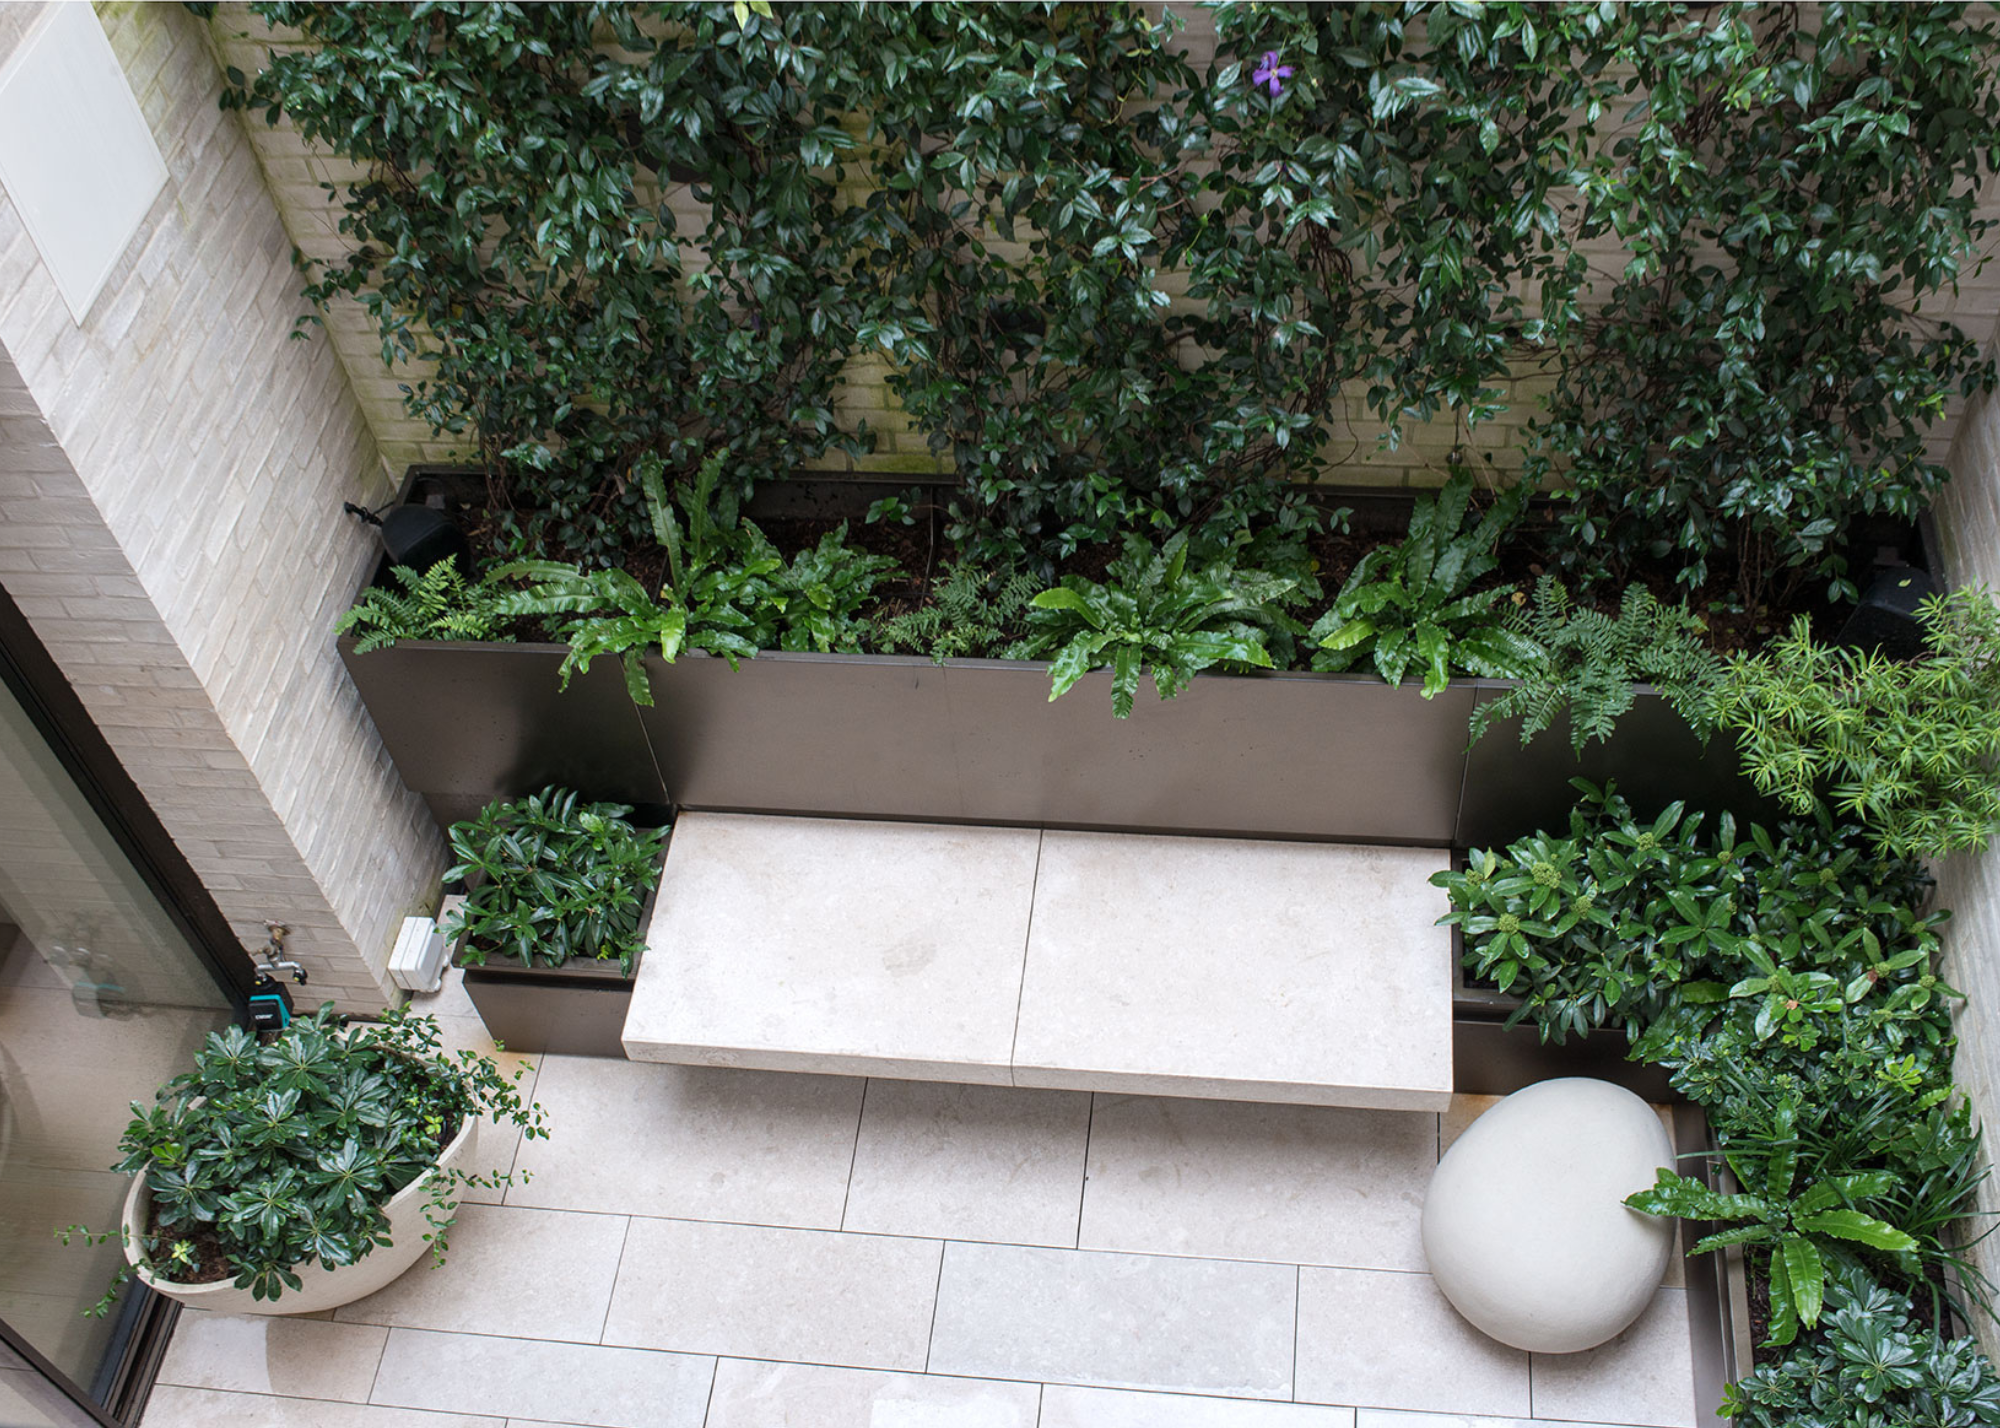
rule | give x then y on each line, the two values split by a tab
551	878
283	1154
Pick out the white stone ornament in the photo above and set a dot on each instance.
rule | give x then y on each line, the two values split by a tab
1525	1225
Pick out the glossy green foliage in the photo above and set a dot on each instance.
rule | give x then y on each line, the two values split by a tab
597	231
1908	748
1798	185
970	614
437	604
1588	660
550	878
1797	1229
1628	922
287	1151
1143	287
1174	612
1870	1366
1411	606
728	591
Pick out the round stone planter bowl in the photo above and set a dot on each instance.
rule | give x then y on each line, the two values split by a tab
322	1288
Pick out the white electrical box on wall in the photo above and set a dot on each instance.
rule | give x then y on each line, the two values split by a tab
76	156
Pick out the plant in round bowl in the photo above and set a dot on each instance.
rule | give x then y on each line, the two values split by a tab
553	920
309	1171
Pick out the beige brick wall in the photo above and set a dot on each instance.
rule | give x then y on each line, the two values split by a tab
170	523
1968	523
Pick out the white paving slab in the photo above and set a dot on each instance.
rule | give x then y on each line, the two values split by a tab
1065	1406
762	1395
544	1274
174	1407
837	945
1382	1339
266	1353
1116	1320
858	1301
697	1142
1238	969
969	1163
561	1383
1644	1376
1296	1184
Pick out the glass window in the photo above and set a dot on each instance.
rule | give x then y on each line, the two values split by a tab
101	999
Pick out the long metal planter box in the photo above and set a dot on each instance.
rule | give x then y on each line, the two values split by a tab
1289	755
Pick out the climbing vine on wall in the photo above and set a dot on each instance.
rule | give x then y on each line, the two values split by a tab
1125	288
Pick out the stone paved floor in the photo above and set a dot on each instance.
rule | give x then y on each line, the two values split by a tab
706	1248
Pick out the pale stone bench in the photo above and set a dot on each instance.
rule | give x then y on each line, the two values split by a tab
1216	967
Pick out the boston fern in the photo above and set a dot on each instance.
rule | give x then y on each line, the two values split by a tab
558	878
283	1154
1153	610
437	604
1406	604
971	613
1590	659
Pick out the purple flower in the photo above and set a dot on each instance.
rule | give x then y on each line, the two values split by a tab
1271	73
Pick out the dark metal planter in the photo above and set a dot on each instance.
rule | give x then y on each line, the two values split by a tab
469	723
1290	755
577	1009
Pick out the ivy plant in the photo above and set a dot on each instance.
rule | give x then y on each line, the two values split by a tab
1155	609
1795	188
268	1157
594	232
551	878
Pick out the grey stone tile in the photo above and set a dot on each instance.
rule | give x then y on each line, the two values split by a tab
542	1274
1238	969
1116	1320
764	1395
836	945
859	1301
546	1382
969	1163
699	1142
498	1142
1645	1375
263	1353
1399	1418
175	1407
1380	1339
1296	1184
1069	1407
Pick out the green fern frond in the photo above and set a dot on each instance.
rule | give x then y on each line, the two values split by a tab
436	604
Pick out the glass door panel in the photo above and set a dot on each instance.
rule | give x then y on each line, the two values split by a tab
101	999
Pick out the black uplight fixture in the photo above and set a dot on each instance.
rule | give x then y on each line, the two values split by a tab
417	536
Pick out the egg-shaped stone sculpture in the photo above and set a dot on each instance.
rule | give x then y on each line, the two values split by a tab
1525	1225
